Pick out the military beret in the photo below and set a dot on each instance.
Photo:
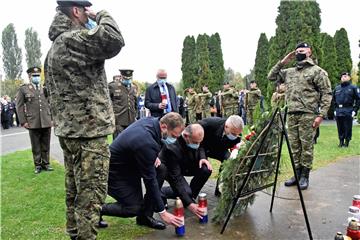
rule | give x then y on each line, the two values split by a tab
69	3
303	45
34	70
127	73
345	73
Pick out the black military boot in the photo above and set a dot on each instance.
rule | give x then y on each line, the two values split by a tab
341	144
292	180
346	144
37	169
304	180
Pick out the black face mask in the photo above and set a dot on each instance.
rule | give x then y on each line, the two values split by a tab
300	56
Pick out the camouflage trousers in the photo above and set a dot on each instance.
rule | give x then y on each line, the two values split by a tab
250	116
86	175
301	135
192	116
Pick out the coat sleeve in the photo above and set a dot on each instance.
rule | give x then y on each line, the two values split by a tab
103	42
20	107
357	99
175	177
148	104
323	84
145	157
276	73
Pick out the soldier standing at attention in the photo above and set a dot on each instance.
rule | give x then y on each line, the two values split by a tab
34	114
123	97
252	98
81	107
202	104
347	102
229	101
190	98
307	87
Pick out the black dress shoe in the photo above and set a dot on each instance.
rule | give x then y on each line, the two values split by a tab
37	170
102	223
150	222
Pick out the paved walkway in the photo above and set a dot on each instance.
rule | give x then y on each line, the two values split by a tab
326	200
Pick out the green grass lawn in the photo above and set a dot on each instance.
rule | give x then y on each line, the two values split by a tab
33	206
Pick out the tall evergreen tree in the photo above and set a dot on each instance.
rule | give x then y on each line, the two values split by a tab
12	56
202	52
33	48
329	64
343	53
189	66
216	62
261	62
229	75
329	59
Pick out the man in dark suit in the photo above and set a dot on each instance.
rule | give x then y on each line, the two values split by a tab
34	114
133	156
221	134
160	97
184	158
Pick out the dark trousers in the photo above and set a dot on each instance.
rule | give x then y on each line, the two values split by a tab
200	177
344	126
127	191
40	145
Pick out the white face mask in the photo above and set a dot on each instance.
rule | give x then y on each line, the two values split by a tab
35	79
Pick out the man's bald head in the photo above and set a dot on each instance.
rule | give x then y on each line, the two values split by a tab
194	133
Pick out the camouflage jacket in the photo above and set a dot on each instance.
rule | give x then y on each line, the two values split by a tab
307	88
202	102
75	76
252	98
124	102
33	107
229	98
191	101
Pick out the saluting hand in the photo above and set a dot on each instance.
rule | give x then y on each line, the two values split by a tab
290	56
206	162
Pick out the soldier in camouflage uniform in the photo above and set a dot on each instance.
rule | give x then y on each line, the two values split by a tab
307	88
229	101
123	97
278	97
251	100
190	98
202	103
81	107
34	114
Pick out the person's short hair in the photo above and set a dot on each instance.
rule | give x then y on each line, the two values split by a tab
67	10
190	129
235	121
252	82
172	120
161	73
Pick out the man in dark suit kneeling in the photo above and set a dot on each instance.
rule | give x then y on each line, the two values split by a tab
185	158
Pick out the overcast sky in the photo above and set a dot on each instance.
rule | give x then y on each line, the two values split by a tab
154	30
